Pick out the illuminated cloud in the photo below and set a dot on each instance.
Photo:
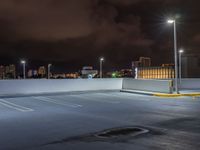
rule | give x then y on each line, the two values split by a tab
64	29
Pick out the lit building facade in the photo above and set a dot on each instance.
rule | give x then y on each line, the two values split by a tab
164	72
72	75
142	69
42	71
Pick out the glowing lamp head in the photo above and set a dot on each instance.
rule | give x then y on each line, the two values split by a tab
23	62
181	51
170	21
101	59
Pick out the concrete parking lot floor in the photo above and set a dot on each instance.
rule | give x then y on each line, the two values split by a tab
71	121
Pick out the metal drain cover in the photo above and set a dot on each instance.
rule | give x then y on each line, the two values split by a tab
117	132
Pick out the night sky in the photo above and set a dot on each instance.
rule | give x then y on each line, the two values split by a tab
74	33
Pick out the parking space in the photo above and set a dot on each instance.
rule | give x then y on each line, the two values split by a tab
34	121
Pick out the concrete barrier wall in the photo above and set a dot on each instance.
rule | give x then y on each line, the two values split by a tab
190	83
163	86
35	86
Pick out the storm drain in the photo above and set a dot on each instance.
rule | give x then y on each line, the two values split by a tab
121	134
126	131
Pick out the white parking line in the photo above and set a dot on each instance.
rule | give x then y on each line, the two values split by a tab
125	97
89	99
14	106
46	99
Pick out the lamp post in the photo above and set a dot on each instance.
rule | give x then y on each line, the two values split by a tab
23	62
173	21
101	63
180	65
49	70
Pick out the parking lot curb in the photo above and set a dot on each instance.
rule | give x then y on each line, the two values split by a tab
176	95
137	92
168	95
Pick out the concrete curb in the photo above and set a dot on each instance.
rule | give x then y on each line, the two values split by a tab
161	94
166	95
176	95
137	92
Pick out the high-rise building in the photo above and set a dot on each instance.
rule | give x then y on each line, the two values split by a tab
143	62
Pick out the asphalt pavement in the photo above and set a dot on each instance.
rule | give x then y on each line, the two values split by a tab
71	121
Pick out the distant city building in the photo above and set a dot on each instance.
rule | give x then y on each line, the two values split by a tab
2	72
35	73
88	72
166	72
119	74
42	71
142	69
7	72
126	73
113	74
167	65
59	76
191	65
65	75
143	62
30	73
72	75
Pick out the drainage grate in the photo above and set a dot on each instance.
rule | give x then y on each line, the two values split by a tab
117	132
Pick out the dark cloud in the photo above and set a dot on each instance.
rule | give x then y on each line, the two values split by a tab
71	29
196	38
49	19
53	20
130	2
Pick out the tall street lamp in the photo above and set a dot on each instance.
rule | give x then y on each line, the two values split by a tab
180	65
23	62
49	70
101	63
173	21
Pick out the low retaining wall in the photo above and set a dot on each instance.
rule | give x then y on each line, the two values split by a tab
190	83
35	86
162	86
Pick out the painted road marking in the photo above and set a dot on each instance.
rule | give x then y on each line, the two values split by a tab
46	99
125	97
89	99
15	106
